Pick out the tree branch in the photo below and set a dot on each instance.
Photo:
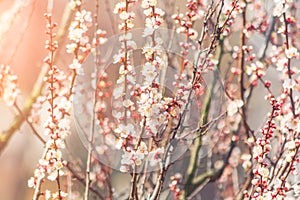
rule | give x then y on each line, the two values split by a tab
6	135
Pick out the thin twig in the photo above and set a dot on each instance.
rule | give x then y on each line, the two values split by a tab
29	123
38	186
242	68
92	127
289	64
82	181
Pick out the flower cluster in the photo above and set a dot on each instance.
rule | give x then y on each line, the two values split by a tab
75	4
185	23
8	85
126	80
133	157
153	16
184	87
79	28
175	185
151	103
80	45
281	6
124	107
233	107
256	70
127	17
152	49
57	125
154	109
233	9
233	112
270	182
